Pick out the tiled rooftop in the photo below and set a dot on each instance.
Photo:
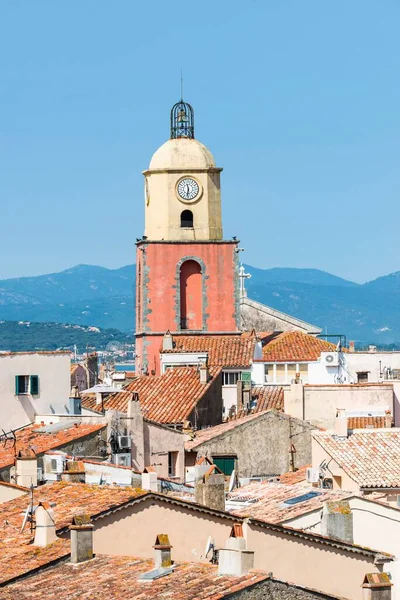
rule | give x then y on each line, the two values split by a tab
167	398
210	433
234	351
29	438
116	577
17	555
264	397
266	500
370	457
292	477
292	346
367	422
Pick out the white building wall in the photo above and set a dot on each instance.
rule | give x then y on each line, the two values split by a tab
53	370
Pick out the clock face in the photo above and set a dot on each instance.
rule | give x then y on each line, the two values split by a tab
188	189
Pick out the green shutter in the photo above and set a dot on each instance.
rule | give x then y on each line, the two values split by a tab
16	385
34	385
225	463
246	376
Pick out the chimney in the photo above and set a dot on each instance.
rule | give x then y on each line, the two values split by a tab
210	489
388	419
81	539
337	521
136	429
26	468
341	423
45	532
99	398
377	586
74	471
149	479
352	346
204	373
168	342
162	552
235	559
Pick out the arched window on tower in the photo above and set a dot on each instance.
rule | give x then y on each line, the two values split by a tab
187	218
191	296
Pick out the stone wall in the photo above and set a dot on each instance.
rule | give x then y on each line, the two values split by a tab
262	445
277	590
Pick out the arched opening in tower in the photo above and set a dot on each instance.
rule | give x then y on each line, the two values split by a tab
187	218
191	295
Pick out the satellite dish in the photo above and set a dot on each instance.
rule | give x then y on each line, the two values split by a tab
209	546
232	481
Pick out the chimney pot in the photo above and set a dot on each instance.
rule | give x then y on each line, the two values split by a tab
352	346
337	521
81	538
341	423
162	552
45	532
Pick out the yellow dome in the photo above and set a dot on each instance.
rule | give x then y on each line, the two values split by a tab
182	153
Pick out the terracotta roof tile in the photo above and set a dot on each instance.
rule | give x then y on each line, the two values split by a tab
116	577
293	346
367	422
265	397
293	477
167	398
370	457
266	500
17	555
29	439
235	351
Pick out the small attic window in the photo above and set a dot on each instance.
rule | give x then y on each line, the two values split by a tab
187	219
302	498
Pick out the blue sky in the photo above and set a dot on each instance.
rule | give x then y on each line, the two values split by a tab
299	102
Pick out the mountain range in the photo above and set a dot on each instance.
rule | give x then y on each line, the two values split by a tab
95	296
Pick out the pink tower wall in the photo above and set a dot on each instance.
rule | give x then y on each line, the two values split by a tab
212	304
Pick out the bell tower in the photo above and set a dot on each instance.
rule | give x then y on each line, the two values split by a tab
186	274
182	185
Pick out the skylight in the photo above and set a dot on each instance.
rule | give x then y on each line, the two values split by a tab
302	498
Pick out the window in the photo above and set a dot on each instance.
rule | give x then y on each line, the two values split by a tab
225	463
187	218
280	373
362	376
26	384
172	463
269	373
302	498
230	377
21	384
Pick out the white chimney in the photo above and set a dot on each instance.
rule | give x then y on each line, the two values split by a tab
99	398
341	423
168	342
234	559
26	468
204	373
45	532
149	479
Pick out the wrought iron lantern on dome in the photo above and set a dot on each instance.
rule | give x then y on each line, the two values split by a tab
182	121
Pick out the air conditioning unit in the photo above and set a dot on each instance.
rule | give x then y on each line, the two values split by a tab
124	441
123	460
57	464
312	475
332	359
39	474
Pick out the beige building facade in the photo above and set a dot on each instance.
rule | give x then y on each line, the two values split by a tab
33	383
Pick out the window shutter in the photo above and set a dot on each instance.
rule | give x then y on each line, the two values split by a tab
16	385
34	385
